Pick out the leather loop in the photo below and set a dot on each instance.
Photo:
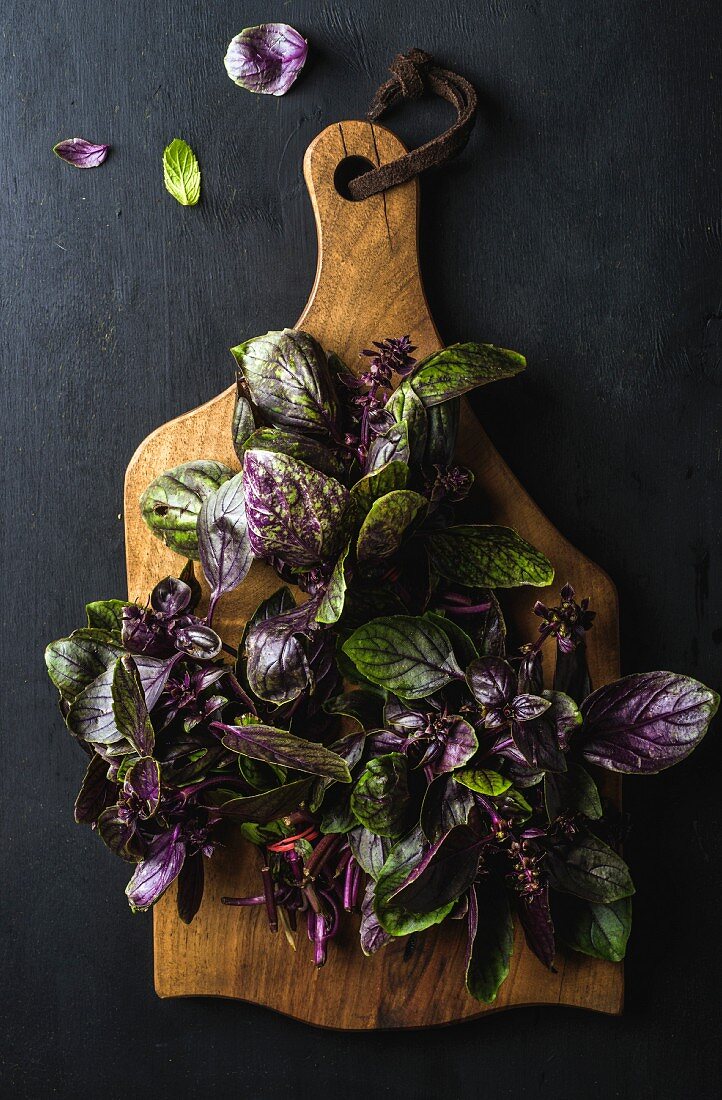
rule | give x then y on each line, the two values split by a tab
413	74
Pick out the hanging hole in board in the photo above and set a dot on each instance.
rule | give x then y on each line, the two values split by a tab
349	169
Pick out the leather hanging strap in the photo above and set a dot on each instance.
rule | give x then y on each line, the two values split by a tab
413	74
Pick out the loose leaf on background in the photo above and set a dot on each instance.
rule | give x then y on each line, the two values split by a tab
266	59
304	448
487	556
380	798
598	930
573	791
276	746
645	723
181	172
105	614
171	504
491	940
384	527
462	367
157	871
288	380
378	483
292	510
409	656
405	406
73	663
402	859
262	808
223	543
331	607
81	153
443	874
243	424
588	868
129	706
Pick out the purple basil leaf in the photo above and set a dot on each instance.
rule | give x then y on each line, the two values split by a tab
143	779
157	871
491	681
304	448
243	424
287	378
589	869
223	544
117	832
170	597
267	58
531	674
459	746
278	669
571	674
91	718
96	792
369	850
199	641
446	804
293	511
73	663
276	746
538	744
268	806
154	675
645	723
190	887
81	153
444	873
129	706
527	707
391	446
564	716
572	792
537	923
372	934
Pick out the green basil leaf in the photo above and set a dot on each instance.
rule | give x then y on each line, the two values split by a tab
73	663
181	172
369	488
171	504
402	859
443	428
406	406
463	367
380	798
385	525
574	791
268	806
129	707
409	656
331	607
483	781
589	869
243	424
275	746
105	614
601	931
391	446
488	556
464	649
369	850
491	932
303	448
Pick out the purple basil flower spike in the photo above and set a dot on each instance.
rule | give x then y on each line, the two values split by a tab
81	153
267	58
569	622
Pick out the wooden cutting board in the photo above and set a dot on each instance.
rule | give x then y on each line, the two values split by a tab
367	287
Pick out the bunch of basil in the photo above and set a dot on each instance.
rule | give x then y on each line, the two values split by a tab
383	710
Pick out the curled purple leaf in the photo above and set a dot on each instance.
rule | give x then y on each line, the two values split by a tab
267	58
81	153
157	871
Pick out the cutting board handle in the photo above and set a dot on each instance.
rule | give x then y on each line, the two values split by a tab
368	262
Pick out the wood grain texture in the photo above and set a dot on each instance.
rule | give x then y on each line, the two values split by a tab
367	286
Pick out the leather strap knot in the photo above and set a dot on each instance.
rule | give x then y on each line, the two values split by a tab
414	73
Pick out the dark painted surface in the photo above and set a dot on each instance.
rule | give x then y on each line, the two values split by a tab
582	226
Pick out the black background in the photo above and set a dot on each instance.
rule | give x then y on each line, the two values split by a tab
581	226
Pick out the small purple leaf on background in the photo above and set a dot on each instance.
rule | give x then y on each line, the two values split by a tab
267	58
81	153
